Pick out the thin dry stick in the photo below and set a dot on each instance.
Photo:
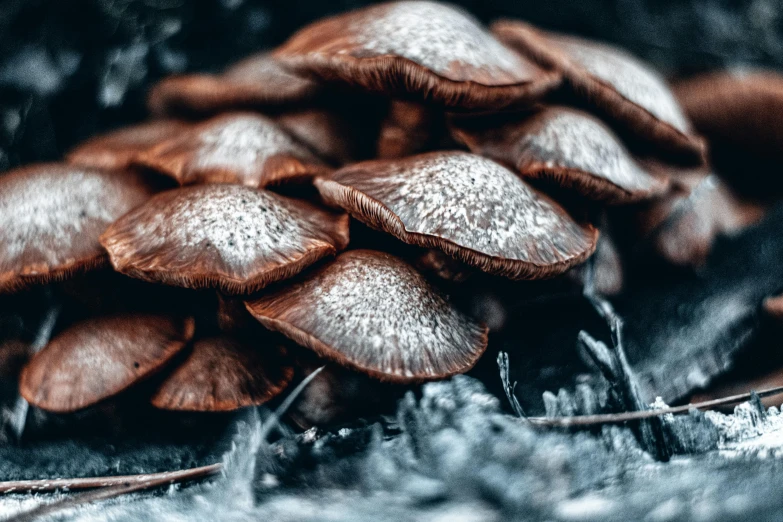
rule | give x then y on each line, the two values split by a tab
120	486
613	418
44	485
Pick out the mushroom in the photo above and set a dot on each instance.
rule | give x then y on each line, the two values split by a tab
229	237
51	216
257	81
683	225
418	49
373	312
118	149
470	207
333	136
242	148
567	147
407	129
773	306
224	374
100	357
614	83
740	115
607	269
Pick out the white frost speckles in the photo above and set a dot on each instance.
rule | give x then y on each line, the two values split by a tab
471	201
635	81
380	314
243	143
228	226
434	36
52	214
577	141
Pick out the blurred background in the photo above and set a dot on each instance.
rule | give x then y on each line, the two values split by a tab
69	69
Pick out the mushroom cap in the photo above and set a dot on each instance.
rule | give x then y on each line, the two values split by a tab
224	374
568	147
257	81
242	148
100	357
230	237
372	312
118	149
739	114
773	306
51	216
684	224
469	207
613	82
421	49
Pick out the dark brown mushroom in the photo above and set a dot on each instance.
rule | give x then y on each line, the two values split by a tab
470	207
740	115
371	311
230	237
224	374
614	83
255	82
51	216
407	129
684	224
242	148
100	357
118	149
332	136
567	147
425	50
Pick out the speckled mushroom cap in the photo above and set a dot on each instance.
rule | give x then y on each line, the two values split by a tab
51	216
568	147
684	224
739	113
230	237
118	149
422	49
616	84
224	374
257	81
100	357
469	207
371	311
242	148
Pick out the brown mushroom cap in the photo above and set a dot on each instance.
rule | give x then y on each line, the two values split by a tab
51	216
773	306
231	237
371	311
610	80
99	358
467	206
257	81
568	147
242	148
224	374
421	49
684	224
740	115
118	149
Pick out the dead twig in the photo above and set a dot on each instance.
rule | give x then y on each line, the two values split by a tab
117	486
614	418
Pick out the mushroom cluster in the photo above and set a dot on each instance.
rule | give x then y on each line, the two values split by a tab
447	149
